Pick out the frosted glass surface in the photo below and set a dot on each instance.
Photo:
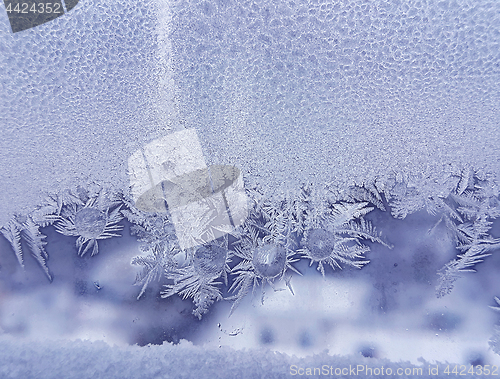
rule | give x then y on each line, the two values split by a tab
79	95
313	178
351	90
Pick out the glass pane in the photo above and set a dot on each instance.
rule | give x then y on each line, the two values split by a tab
318	179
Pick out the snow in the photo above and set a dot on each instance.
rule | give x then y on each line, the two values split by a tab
84	359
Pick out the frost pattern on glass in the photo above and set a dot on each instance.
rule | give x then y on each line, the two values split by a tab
261	262
324	226
202	277
90	217
339	238
467	202
25	228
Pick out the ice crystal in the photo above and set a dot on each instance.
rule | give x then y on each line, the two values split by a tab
477	202
195	227
90	217
160	259
411	193
366	192
48	213
269	261
466	202
337	238
25	228
280	220
150	228
201	278
325	227
264	260
12	232
28	227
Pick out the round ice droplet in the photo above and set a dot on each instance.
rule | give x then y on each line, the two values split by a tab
269	261
90	223
320	244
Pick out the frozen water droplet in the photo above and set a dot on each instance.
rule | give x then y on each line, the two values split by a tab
269	260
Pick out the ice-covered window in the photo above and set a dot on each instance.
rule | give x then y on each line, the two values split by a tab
314	181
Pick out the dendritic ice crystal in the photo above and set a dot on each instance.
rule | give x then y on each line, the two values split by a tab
467	202
90	217
202	277
260	263
328	228
154	265
338	240
89	214
25	228
281	231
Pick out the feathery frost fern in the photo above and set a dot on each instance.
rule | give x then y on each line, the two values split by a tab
24	228
466	202
326	227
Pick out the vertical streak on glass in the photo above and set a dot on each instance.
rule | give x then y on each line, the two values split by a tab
166	104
